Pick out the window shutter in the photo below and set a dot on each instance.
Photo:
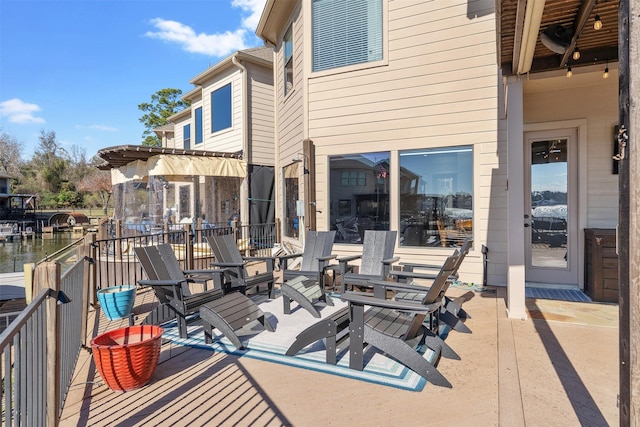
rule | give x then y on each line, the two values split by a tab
346	32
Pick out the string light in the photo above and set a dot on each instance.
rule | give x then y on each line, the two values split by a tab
597	24
605	75
576	54
569	72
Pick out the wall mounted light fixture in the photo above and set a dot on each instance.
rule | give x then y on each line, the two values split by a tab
301	158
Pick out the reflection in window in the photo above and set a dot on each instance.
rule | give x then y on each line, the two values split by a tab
186	141
549	172
288	60
198	125
436	196
221	108
358	194
291	226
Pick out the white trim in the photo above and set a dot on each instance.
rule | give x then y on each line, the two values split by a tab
581	126
515	202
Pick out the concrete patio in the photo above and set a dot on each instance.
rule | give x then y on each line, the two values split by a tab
558	367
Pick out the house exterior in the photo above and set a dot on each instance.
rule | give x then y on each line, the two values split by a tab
217	156
16	208
404	115
231	111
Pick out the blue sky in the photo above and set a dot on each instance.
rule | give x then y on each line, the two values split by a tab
81	67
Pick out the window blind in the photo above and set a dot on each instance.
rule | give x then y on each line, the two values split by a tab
346	32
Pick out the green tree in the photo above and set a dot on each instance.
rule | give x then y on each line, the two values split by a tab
164	103
51	162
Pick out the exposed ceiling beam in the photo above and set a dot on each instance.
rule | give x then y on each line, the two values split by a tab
532	18
517	36
581	20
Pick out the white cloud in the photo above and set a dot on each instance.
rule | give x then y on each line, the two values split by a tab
254	8
218	44
207	44
20	112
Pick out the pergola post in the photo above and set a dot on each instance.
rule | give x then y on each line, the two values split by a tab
629	211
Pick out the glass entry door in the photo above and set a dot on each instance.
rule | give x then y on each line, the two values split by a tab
550	215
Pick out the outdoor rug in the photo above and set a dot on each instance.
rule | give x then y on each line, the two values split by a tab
559	294
272	346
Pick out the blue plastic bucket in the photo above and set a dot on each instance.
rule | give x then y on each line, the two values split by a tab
117	301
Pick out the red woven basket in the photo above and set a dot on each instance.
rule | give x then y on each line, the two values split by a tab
127	357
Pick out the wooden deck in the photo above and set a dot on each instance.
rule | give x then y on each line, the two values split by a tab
559	367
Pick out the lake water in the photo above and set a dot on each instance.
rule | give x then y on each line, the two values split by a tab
16	253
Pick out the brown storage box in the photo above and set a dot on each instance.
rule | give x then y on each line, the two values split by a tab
601	264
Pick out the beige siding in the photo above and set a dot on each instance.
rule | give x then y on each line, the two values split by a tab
590	97
439	88
178	129
289	117
261	117
228	140
290	108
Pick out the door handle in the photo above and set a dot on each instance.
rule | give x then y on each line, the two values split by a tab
527	225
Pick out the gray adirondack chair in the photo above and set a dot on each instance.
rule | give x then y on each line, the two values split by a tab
225	312
376	260
451	312
171	285
306	284
398	327
229	258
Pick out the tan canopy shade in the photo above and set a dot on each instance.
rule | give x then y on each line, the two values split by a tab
178	165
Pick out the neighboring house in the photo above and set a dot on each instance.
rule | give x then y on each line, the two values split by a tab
229	123
408	115
16	208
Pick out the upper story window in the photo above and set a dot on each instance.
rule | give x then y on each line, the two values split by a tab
221	108
353	178
199	125
346	32
186	137
287	43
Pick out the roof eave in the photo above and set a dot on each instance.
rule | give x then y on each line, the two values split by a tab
274	16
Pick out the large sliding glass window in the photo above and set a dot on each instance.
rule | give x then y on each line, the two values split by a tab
221	108
346	32
358	194
199	125
436	196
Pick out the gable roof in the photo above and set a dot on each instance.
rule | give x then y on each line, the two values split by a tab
258	55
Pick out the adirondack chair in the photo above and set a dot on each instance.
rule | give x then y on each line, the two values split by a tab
171	285
376	260
397	327
226	312
451	312
237	276
306	285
